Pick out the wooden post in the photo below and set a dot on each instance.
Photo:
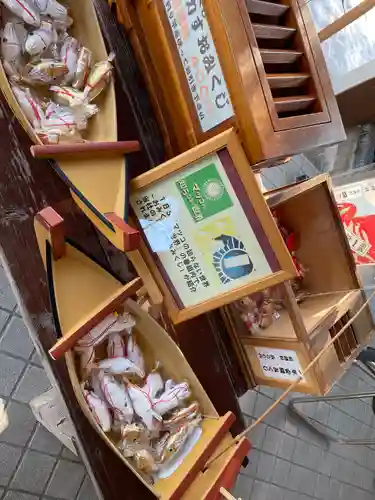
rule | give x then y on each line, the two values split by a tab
346	19
227	495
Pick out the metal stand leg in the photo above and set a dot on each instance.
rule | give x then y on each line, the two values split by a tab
318	427
366	363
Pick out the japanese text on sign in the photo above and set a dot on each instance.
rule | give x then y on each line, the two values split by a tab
155	210
279	364
200	61
202	240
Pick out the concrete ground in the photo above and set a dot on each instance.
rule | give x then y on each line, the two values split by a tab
291	462
34	465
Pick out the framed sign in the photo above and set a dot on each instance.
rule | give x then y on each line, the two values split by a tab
209	235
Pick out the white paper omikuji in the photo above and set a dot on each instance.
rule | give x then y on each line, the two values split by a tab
154	384
39	40
143	407
30	105
134	353
99	409
23	9
51	8
112	323
116	346
172	397
11	46
117	397
120	366
86	360
69	55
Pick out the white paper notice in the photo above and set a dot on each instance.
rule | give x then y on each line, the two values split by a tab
279	364
200	61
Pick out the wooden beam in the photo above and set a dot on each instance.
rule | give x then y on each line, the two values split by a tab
346	19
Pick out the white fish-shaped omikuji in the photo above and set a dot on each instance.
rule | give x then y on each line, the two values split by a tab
113	322
120	366
25	10
143	407
83	68
13	70
86	360
99	77
18	23
46	71
11	46
69	53
116	347
99	409
67	116
172	397
154	385
117	397
51	8
30	105
62	24
39	40
55	136
134	353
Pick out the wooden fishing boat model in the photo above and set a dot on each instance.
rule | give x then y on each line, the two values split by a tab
95	170
82	293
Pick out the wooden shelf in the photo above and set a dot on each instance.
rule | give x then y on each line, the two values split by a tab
265	8
279	56
315	311
286	80
269	31
293	103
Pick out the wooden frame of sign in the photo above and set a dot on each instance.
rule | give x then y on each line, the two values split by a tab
201	213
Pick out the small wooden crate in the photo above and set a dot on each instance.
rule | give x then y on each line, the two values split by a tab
213	64
303	330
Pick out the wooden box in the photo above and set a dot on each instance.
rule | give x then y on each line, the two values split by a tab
209	236
277	354
253	64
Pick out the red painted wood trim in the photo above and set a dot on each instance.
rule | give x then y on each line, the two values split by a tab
132	237
118	148
54	224
205	456
67	342
230	472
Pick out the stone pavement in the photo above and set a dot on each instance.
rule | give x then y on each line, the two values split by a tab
291	462
33	463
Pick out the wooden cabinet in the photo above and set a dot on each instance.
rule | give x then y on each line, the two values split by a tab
332	299
253	64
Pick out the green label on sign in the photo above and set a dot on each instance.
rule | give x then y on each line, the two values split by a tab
204	193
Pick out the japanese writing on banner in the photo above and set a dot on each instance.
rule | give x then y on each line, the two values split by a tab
356	204
279	364
196	225
200	61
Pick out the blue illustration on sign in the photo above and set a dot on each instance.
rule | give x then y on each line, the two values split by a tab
231	260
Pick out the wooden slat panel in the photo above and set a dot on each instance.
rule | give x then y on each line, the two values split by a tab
269	31
283	80
276	56
287	104
265	8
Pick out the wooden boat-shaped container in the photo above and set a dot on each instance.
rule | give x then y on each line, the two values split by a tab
82	293
95	172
